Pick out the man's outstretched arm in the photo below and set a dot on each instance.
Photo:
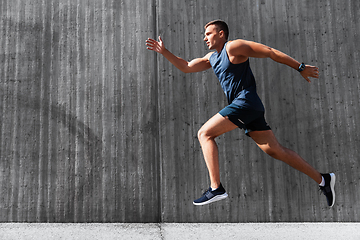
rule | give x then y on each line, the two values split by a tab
257	50
196	65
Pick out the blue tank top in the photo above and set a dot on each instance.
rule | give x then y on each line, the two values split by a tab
237	81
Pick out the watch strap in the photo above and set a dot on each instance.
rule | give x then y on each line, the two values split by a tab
301	67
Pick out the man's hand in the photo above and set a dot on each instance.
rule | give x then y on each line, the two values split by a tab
155	45
310	71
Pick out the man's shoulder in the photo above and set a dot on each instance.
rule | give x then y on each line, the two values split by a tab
208	55
236	50
234	44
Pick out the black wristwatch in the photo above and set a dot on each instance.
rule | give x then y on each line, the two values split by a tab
301	67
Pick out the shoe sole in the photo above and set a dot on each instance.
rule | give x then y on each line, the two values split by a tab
332	186
214	199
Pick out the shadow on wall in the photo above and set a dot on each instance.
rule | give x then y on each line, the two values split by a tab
65	153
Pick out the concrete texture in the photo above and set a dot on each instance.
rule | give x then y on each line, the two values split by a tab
183	231
96	128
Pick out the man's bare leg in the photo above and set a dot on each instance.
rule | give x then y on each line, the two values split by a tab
213	128
269	144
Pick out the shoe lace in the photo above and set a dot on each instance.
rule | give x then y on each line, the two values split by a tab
208	190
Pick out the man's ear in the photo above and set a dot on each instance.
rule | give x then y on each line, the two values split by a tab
222	34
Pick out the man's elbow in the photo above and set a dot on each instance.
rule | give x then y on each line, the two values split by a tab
185	69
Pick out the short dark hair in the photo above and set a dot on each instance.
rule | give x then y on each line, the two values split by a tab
220	25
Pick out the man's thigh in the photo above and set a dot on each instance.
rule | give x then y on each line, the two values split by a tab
264	139
217	125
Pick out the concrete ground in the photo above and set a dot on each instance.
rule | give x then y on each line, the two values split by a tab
183	231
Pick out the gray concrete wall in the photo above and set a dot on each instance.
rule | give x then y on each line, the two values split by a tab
79	112
95	128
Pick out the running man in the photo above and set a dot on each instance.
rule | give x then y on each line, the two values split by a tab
230	62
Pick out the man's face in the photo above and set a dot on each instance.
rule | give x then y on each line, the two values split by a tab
212	37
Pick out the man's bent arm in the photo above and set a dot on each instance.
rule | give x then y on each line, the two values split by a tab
258	50
196	65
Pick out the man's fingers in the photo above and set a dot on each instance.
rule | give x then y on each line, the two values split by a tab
315	73
150	40
151	43
153	40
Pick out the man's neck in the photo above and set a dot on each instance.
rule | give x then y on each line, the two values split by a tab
221	46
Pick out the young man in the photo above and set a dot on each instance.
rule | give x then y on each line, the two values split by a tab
230	62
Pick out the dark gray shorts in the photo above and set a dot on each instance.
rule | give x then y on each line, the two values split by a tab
249	120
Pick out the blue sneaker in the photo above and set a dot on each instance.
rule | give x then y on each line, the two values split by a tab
211	196
328	190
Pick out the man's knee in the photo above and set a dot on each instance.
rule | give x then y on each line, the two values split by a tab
203	135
